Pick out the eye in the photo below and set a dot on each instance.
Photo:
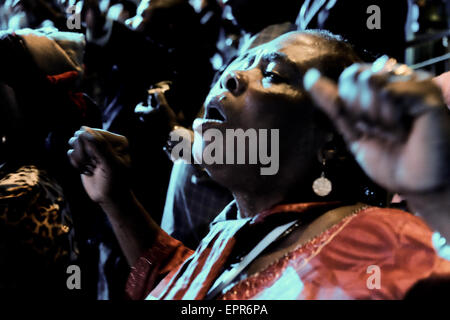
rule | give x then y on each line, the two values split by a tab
273	77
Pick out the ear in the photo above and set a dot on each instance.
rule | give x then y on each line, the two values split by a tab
332	148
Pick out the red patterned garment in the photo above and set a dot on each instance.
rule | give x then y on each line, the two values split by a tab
339	263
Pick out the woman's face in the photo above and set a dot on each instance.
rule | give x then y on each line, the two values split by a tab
263	90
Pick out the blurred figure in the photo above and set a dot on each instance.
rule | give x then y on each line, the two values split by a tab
39	104
163	42
19	14
352	19
122	10
255	15
248	23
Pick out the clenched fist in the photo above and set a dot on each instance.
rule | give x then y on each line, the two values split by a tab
103	160
394	121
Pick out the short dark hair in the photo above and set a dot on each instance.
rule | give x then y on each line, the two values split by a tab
341	53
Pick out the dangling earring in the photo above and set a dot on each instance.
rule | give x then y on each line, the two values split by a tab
322	186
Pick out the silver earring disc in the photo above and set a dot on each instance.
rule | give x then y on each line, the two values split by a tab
322	186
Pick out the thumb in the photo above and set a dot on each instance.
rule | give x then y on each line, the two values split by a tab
325	95
324	92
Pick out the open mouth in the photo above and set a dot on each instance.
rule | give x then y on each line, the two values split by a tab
214	113
214	117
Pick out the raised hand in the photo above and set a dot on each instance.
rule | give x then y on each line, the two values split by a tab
395	122
158	108
103	160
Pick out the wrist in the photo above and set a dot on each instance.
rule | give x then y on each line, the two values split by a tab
116	201
434	208
436	202
434	193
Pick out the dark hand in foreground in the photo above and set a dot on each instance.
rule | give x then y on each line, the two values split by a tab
394	121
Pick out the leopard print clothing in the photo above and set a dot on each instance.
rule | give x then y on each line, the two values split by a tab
32	209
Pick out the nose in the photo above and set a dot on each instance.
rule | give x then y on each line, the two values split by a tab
234	82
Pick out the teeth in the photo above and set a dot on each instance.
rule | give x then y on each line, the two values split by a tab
198	122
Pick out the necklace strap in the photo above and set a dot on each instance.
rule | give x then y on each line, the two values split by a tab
229	275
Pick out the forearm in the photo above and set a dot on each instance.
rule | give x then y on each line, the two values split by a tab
134	228
434	208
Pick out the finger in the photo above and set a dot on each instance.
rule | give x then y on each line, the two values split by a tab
114	140
92	142
142	108
160	98
325	95
356	85
346	82
78	157
356	117
164	105
390	116
359	87
156	102
144	111
97	145
72	160
383	64
368	84
76	153
393	107
375	112
74	138
85	168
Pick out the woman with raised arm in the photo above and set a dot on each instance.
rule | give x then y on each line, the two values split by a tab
316	229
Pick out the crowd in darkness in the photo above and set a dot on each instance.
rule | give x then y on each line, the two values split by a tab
135	70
